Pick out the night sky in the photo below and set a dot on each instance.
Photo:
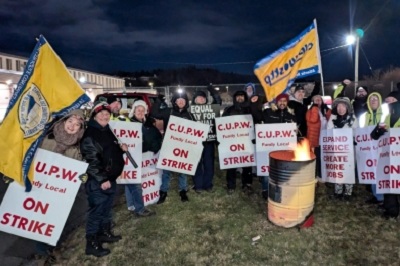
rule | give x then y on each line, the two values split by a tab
108	36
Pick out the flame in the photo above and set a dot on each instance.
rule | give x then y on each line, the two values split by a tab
302	152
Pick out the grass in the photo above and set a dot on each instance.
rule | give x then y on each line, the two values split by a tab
217	229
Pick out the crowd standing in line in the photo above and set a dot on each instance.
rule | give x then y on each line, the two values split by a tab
101	150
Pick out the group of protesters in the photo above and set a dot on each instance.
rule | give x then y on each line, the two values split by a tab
99	147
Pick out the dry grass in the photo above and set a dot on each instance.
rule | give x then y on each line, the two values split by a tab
217	229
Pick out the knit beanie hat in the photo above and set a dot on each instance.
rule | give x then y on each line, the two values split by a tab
98	107
298	87
362	87
394	94
282	95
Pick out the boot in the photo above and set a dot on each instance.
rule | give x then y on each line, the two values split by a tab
94	247
183	195
106	235
163	196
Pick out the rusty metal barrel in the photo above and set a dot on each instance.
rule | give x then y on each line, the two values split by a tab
291	189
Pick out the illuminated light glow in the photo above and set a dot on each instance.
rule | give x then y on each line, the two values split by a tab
82	79
302	152
351	39
8	82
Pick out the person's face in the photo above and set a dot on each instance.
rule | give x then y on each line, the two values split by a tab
341	109
140	112
374	102
361	92
299	95
180	102
72	125
102	117
200	100
115	107
282	103
249	91
239	98
318	101
390	100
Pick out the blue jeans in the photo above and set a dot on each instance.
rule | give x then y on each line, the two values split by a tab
165	179
134	197
203	178
379	197
100	205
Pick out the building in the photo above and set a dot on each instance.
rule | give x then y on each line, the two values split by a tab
12	67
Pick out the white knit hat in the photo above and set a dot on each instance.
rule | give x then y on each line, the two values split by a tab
136	104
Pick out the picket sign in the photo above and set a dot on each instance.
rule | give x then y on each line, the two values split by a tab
337	156
41	214
183	145
273	137
151	178
388	167
366	155
129	133
235	135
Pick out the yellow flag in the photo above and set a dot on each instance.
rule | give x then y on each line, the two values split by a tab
298	58
46	90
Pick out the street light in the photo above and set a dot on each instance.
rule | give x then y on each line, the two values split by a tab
359	33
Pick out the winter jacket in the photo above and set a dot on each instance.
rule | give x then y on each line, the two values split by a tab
238	108
100	149
313	118
301	108
278	116
159	109
152	138
372	117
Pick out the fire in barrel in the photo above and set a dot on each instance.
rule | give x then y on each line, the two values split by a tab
291	186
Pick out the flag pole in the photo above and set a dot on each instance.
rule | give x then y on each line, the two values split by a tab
319	58
128	154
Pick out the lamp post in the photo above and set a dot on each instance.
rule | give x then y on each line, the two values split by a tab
359	33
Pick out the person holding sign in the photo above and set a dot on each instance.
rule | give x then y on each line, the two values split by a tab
101	151
203	178
180	105
152	140
342	117
63	138
280	113
372	118
240	106
391	202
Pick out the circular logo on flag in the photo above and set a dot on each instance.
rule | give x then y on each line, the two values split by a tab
33	111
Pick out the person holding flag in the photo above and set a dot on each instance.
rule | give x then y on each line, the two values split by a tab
45	91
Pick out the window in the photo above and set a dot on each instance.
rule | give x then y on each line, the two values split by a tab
18	65
8	64
1	63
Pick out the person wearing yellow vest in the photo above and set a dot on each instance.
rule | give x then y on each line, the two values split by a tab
372	118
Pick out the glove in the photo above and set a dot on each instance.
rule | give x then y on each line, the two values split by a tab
7	180
378	132
253	141
83	177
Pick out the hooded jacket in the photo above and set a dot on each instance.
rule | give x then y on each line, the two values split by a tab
238	108
159	110
53	140
348	120
372	117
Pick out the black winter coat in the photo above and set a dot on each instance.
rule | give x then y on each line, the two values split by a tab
100	149
152	138
238	108
278	116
